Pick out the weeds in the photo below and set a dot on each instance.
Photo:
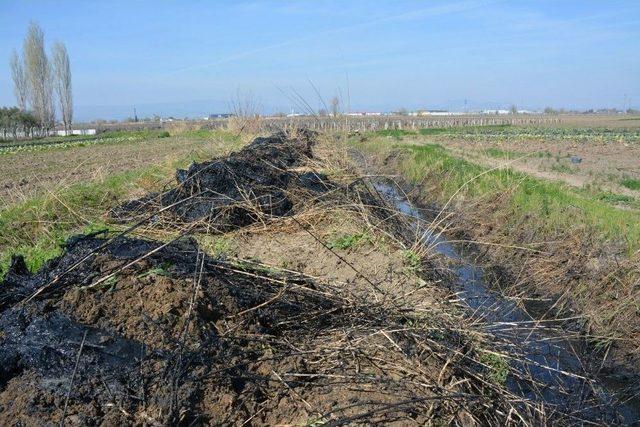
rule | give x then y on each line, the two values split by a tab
161	270
348	241
464	130
562	168
526	196
631	183
397	134
411	258
503	154
498	366
217	246
615	198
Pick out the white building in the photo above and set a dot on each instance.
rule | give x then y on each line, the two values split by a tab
499	112
75	132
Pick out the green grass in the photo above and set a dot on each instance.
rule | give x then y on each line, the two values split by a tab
347	241
217	245
548	206
562	168
618	199
38	227
142	134
434	131
631	183
503	154
211	134
411	259
395	133
463	130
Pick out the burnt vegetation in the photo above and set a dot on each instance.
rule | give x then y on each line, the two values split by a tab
123	330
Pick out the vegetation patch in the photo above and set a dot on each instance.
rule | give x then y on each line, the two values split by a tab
616	198
498	367
217	245
464	130
562	168
411	258
217	134
499	133
348	241
548	205
631	183
38	227
504	154
395	133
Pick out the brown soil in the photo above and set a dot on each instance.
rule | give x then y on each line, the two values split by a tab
28	174
611	121
602	165
231	347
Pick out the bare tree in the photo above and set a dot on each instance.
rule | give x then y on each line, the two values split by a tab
335	106
246	112
513	109
62	82
38	72
20	86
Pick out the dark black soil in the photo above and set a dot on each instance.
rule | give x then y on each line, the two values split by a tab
257	182
177	337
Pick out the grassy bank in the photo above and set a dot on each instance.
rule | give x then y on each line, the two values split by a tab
569	245
548	205
38	226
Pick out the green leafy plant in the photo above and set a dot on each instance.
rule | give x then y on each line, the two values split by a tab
498	366
347	241
411	258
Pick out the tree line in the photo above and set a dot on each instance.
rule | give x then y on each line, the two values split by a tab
15	123
38	81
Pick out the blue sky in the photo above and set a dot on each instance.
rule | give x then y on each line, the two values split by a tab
190	57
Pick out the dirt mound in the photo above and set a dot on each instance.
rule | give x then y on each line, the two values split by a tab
129	331
259	181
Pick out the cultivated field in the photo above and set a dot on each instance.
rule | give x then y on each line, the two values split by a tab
460	275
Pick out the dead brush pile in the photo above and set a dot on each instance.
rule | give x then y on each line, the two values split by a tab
263	180
128	331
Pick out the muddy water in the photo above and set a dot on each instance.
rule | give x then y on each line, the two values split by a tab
548	367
